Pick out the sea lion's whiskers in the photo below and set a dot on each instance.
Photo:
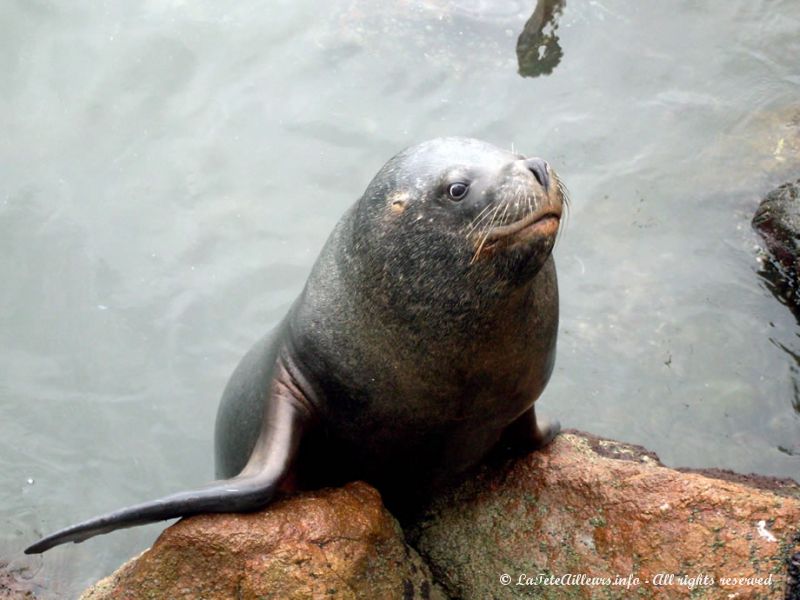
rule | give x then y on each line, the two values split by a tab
520	198
565	209
512	205
477	220
503	216
485	220
533	201
559	233
485	210
494	219
565	200
484	235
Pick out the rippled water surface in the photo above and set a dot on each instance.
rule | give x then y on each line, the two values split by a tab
169	171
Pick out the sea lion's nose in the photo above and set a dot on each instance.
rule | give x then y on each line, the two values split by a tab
540	170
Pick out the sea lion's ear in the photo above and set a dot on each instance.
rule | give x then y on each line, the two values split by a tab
398	206
398	200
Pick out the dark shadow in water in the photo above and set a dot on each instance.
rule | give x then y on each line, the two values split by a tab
782	284
777	220
795	387
794	449
538	50
784	287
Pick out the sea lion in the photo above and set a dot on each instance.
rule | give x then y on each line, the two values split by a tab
425	333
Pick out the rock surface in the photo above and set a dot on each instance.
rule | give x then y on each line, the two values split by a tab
778	221
583	507
339	543
601	509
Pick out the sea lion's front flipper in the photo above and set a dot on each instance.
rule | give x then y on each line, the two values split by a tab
285	419
529	433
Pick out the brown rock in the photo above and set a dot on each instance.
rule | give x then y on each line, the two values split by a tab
601	509
584	507
339	543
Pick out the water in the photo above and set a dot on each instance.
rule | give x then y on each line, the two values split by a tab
170	170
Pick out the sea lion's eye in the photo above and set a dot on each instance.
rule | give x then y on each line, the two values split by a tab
457	191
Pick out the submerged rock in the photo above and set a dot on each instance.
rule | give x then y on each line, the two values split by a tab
583	518
778	221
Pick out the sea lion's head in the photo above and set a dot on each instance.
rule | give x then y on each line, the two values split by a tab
451	209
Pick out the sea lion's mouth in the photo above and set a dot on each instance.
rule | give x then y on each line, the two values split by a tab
534	229
542	222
